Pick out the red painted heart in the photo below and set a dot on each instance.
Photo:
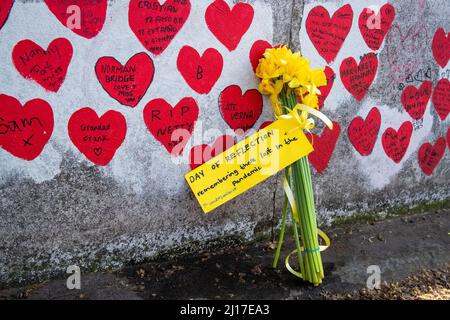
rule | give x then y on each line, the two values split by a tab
46	67
5	8
256	52
172	127
395	143
229	25
404	40
92	15
127	84
24	131
98	138
328	34
265	124
325	90
448	137
324	146
441	47
156	25
200	72
441	98
240	111
375	26
430	156
363	133
203	153
415	100
357	79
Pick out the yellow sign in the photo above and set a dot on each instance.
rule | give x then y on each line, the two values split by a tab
248	163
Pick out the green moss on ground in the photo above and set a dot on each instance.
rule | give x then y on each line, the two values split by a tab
375	216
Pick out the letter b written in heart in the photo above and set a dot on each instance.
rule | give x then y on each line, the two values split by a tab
200	72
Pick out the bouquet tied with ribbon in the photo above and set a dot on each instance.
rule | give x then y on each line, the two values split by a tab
292	86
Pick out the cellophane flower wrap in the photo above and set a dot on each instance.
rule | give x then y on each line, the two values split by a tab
292	86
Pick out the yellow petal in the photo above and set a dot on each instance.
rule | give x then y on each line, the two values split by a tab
318	77
311	100
294	83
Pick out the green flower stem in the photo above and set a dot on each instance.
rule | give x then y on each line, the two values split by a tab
301	185
305	218
283	222
283	227
299	249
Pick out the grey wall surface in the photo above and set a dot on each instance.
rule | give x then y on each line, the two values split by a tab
61	209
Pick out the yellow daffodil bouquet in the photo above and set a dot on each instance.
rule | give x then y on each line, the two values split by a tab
292	86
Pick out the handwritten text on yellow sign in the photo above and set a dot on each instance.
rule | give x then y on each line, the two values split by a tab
248	163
